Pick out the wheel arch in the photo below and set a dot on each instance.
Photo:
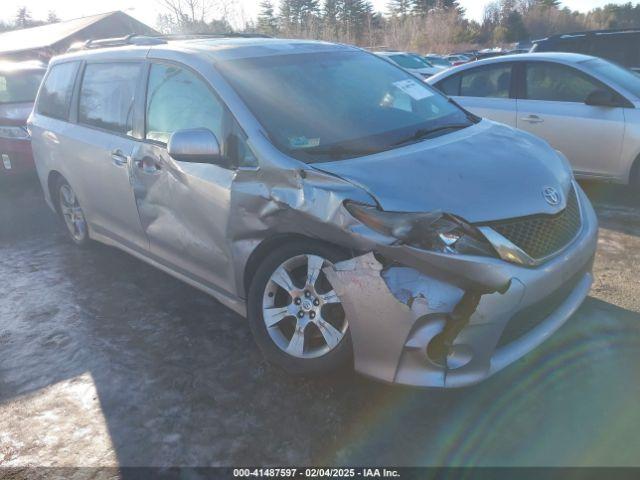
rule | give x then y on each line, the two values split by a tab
268	245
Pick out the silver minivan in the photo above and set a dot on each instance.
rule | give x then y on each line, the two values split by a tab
352	213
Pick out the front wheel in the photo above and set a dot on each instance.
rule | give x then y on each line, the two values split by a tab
295	315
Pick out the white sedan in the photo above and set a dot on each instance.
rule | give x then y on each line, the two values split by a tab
585	107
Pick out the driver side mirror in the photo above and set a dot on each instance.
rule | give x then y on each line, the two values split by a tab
197	145
601	98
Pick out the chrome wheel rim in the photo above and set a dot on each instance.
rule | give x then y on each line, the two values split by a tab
72	214
301	310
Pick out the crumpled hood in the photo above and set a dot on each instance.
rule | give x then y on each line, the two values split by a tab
483	173
15	113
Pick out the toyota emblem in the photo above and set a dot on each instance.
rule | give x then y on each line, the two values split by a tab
552	196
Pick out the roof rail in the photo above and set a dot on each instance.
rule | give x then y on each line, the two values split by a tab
586	33
137	39
132	39
194	36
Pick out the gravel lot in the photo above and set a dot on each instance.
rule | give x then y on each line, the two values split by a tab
106	361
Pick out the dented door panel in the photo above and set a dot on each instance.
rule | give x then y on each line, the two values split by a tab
184	210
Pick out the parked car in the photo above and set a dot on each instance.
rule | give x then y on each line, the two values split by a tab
438	68
438	61
619	46
19	82
410	62
349	210
456	60
585	107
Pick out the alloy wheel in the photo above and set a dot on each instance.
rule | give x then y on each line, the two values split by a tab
72	213
301	310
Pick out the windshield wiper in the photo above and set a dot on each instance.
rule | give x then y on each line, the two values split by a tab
423	133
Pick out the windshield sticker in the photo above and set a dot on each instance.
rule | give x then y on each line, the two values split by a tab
303	142
413	89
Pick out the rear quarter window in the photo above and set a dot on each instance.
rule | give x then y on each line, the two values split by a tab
55	95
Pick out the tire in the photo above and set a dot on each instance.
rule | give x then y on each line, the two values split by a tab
634	182
71	214
267	295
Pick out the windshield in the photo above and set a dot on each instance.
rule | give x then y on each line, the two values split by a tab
439	61
613	72
339	105
20	86
407	61
422	60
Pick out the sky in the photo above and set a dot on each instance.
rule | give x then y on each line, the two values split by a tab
147	10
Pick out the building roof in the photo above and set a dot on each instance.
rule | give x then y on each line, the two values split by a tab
48	35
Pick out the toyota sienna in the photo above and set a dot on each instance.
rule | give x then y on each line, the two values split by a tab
355	215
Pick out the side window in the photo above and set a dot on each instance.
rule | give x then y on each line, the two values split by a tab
177	99
55	95
450	86
489	82
107	96
558	83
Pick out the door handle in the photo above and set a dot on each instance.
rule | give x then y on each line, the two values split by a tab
148	165
119	158
532	119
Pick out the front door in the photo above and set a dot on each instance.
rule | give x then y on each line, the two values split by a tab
554	109
184	207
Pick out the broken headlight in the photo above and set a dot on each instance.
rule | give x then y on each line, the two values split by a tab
431	231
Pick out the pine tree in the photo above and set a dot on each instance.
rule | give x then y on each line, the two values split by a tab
352	16
295	13
267	21
423	7
549	3
400	8
330	18
52	17
23	18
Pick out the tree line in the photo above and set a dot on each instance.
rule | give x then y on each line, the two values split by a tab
434	25
23	19
417	25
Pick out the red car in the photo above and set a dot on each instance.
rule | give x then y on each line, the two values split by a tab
19	83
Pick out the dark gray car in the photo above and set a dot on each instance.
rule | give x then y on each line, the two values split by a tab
351	212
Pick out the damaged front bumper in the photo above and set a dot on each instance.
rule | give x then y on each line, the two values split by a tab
483	313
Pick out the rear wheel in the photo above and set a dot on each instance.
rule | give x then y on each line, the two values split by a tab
72	214
295	314
635	177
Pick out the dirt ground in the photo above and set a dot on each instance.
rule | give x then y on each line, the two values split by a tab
106	361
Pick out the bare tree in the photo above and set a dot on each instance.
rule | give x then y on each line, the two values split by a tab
199	16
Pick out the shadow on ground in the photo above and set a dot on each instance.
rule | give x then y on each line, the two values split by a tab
157	373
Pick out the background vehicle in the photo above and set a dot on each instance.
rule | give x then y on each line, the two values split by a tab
410	62
251	168
438	61
585	107
456	60
620	46
19	82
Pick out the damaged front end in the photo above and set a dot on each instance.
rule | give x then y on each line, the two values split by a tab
432	307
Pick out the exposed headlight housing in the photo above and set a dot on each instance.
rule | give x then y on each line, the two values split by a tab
14	133
435	231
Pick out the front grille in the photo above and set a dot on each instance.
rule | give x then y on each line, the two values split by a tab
542	235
